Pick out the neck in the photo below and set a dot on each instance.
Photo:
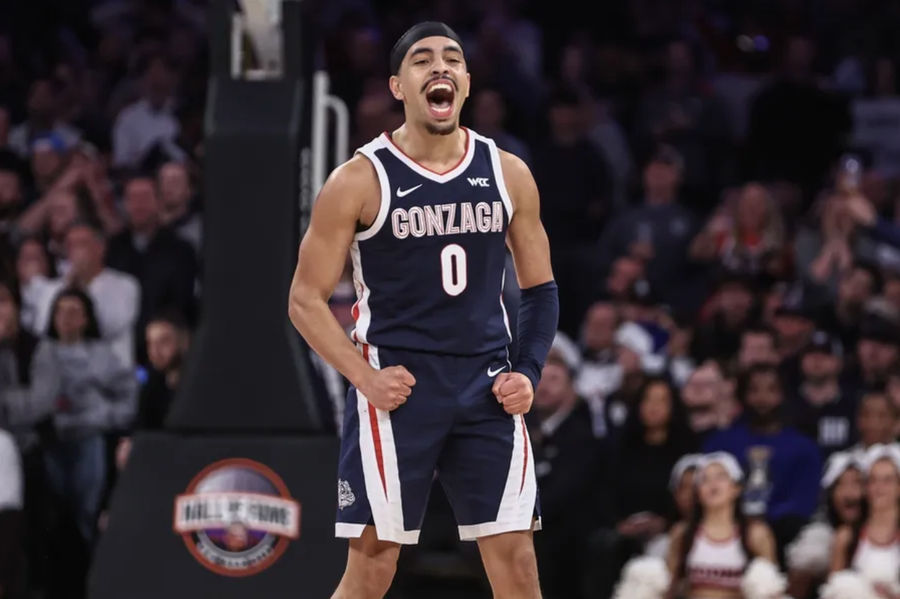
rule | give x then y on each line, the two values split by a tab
146	230
84	278
173	213
720	516
660	199
428	148
172	377
656	436
885	519
820	392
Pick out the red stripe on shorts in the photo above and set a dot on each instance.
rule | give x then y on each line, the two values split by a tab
525	447
376	434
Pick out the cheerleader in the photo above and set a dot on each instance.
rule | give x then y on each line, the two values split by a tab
710	553
872	547
809	556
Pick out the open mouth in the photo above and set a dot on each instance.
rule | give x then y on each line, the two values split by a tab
440	95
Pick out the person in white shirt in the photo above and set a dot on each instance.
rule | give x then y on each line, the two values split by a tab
150	120
116	295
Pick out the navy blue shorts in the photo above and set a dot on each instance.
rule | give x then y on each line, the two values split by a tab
451	427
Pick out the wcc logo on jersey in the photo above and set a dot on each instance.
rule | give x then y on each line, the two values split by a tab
479	182
237	517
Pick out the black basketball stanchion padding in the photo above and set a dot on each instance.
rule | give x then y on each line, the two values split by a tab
236	497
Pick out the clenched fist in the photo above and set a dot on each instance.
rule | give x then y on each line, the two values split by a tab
514	391
388	388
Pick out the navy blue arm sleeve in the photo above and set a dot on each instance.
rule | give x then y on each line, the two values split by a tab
538	317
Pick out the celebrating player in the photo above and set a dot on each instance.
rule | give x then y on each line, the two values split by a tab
426	212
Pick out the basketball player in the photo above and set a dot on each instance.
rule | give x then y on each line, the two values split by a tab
426	212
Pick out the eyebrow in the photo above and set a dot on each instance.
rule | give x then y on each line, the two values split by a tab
425	50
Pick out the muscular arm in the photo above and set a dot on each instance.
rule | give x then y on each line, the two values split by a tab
323	252
349	195
526	237
539	309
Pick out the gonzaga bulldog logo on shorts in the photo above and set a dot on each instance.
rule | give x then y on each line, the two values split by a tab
237	517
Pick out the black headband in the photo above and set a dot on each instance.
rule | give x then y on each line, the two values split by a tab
414	34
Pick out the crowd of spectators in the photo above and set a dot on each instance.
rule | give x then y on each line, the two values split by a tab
719	182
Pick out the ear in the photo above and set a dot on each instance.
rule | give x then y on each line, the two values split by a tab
468	83
394	84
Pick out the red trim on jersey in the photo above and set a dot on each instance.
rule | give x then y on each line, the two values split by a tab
354	311
525	447
387	134
376	434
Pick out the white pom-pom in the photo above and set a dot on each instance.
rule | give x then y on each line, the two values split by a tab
880	568
847	584
811	551
762	580
643	578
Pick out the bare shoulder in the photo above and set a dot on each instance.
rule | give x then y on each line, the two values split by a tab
351	191
515	171
519	181
356	176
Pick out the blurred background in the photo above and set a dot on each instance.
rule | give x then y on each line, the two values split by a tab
719	182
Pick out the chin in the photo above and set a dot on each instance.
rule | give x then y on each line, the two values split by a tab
441	128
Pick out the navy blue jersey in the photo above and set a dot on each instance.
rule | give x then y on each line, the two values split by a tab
429	271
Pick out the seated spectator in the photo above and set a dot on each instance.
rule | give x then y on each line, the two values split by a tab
794	324
877	353
12	555
874	547
167	340
731	310
822	409
488	118
746	236
809	556
709	553
29	386
757	346
148	122
708	401
782	464
654	438
624	274
177	203
600	374
164	265
97	395
876	422
43	119
855	288
115	295
570	469
633	346
657	232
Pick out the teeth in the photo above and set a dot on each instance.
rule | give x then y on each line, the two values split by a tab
440	86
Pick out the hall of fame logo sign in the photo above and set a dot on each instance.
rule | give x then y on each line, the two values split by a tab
237	517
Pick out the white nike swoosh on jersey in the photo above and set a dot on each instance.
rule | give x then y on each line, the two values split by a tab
492	373
406	192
